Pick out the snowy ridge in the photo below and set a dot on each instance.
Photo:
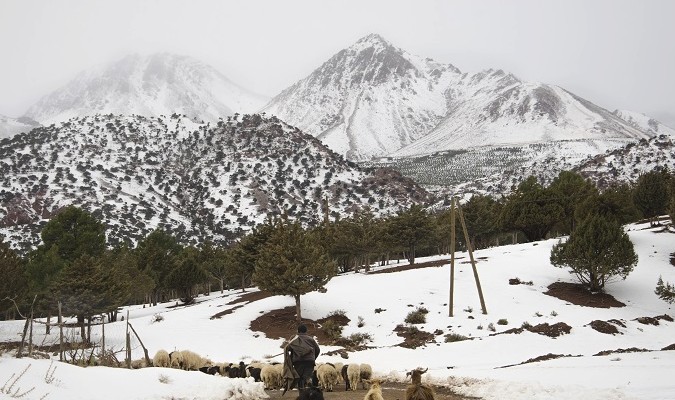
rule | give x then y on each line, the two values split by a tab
11	126
159	84
198	181
373	99
644	122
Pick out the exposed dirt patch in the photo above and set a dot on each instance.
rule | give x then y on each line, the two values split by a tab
617	322
578	294
604	327
245	298
514	331
390	391
672	259
428	264
413	337
648	321
665	317
545	357
669	347
281	324
553	331
619	351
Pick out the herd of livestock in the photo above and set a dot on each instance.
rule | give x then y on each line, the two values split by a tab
326	376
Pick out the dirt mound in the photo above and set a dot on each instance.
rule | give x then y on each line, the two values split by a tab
242	301
437	263
604	327
619	351
413	337
578	294
553	331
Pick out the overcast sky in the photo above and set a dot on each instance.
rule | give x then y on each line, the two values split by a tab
618	54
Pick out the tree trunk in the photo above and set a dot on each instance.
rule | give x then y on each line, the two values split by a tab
83	334
49	323
298	315
222	285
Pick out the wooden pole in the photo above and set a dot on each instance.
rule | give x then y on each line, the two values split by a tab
147	357
473	262
30	335
452	259
60	322
128	352
103	339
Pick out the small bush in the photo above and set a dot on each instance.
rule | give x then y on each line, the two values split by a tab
379	310
337	313
491	327
360	338
503	321
554	314
164	379
479	327
332	330
157	318
361	323
538	314
416	317
468	309
526	325
454	337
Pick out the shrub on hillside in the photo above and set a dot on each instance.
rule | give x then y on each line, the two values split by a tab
419	316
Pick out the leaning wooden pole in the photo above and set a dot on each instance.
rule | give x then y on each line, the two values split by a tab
60	322
452	260
145	351
473	262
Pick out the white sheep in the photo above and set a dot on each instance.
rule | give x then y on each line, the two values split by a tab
176	359
353	376
191	360
270	376
328	376
161	359
375	391
338	368
365	373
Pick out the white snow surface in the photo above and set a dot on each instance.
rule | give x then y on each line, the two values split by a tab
485	367
11	126
644	122
149	85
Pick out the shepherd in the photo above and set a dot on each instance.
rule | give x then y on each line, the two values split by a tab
299	359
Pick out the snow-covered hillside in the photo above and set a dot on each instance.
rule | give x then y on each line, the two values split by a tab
199	181
373	99
11	126
584	363
644	122
159	84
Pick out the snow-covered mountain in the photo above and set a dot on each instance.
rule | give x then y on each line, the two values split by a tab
158	84
198	181
644	122
11	126
373	99
369	99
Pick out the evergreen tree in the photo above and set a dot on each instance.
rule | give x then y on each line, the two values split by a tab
157	256
242	257
570	189
665	291
122	262
13	283
86	288
70	235
292	262
531	209
481	214
651	194
413	229
187	273
596	251
615	202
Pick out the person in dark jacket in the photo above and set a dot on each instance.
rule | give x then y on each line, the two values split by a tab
303	351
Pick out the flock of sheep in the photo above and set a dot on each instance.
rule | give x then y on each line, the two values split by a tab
326	376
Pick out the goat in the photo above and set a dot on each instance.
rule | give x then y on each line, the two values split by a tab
418	390
375	391
416	375
310	393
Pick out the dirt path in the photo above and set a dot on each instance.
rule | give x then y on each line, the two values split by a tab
390	391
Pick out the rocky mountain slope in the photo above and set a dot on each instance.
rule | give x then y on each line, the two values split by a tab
199	181
644	122
373	99
159	84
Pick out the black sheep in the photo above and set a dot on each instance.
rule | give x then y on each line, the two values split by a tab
311	393
255	373
345	377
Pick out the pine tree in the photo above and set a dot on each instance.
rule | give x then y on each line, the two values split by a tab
292	262
481	214
531	209
570	189
413	229
13	284
187	273
615	202
242	257
157	256
596	251
651	194
665	291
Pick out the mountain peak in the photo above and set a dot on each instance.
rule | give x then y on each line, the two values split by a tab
373	38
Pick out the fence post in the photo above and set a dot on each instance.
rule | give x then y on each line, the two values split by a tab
103	339
451	304
60	322
30	335
473	262
128	352
147	357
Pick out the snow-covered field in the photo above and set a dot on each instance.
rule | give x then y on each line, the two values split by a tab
471	367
